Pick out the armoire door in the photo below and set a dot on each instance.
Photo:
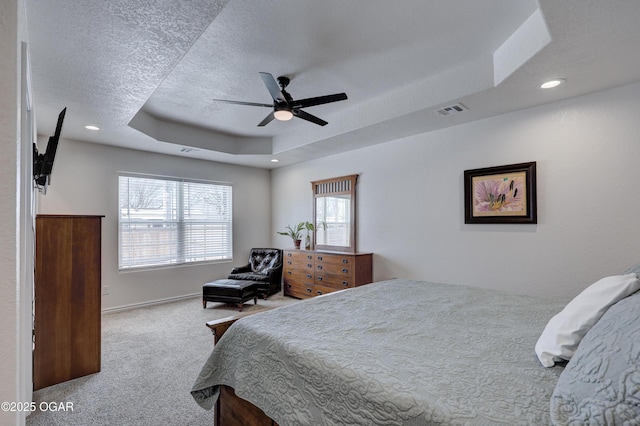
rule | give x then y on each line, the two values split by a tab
67	298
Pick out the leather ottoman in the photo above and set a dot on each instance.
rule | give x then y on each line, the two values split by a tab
230	291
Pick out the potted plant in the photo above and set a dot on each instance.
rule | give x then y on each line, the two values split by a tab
308	226
294	233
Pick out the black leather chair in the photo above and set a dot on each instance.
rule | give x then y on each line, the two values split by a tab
264	267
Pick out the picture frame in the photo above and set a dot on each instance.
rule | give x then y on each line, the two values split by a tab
502	194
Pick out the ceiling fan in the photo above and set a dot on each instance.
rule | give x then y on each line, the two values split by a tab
284	106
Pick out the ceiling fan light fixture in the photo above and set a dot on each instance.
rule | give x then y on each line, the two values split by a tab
283	115
284	106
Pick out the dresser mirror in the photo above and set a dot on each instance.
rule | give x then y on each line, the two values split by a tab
334	213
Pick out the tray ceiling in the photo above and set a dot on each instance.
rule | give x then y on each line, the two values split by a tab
147	72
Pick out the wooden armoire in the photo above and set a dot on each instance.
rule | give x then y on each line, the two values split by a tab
67	296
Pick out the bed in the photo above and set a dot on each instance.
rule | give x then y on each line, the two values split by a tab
397	352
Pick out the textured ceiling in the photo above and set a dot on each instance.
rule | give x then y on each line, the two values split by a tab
147	72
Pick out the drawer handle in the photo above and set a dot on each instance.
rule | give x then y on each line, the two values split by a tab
309	265
345	270
289	254
288	285
288	262
345	260
320	292
319	278
309	256
289	272
319	266
309	276
319	257
345	283
308	290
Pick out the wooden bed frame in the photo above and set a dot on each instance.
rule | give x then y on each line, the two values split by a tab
231	410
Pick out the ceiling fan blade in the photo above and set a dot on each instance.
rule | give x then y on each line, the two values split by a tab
304	103
243	103
273	87
267	120
312	118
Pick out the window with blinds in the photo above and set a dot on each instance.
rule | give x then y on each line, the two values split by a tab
165	221
334	213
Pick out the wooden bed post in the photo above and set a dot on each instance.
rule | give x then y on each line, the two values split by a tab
219	327
231	410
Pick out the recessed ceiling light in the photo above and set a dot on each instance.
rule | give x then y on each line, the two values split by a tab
90	127
552	83
274	160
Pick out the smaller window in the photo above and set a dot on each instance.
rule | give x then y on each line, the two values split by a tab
334	212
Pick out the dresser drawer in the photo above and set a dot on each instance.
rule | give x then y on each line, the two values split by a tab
334	261
299	290
340	271
298	260
298	275
320	290
334	280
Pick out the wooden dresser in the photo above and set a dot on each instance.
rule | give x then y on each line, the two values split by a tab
312	273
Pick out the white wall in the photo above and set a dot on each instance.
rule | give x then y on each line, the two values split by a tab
411	208
410	201
12	361
84	181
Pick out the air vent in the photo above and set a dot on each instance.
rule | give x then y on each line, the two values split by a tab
188	149
452	109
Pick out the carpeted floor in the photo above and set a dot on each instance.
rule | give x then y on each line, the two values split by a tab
150	358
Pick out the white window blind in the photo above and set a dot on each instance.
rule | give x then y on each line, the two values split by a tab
334	213
164	221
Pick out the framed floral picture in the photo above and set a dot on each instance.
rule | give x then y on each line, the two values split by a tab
503	194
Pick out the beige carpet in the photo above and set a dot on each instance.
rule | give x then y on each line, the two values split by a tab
150	358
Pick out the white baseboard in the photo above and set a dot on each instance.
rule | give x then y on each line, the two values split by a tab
150	303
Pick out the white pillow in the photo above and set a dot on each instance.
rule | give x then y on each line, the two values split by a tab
563	333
